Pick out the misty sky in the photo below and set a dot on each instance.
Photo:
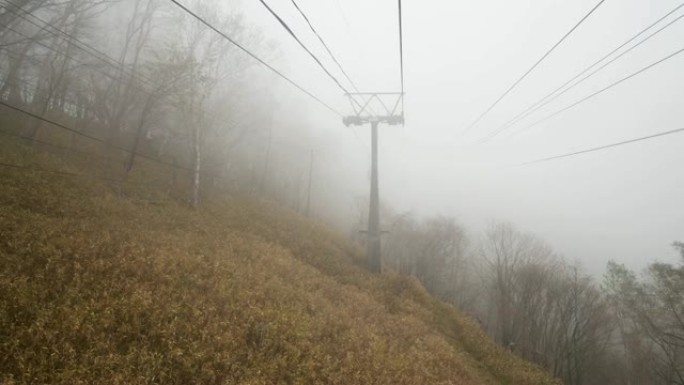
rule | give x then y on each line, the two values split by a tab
623	204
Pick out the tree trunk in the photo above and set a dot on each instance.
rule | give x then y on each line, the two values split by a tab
197	169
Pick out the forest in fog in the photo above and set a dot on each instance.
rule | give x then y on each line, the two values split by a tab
147	81
151	84
623	328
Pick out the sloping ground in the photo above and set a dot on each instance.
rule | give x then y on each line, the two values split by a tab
100	289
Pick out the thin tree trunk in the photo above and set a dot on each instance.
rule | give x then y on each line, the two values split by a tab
138	134
198	158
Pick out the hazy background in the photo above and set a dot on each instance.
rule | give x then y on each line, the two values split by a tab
144	96
622	204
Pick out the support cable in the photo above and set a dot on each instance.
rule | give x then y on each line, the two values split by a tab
555	94
355	103
71	58
78	43
594	149
56	172
325	45
294	36
670	56
93	138
496	102
255	57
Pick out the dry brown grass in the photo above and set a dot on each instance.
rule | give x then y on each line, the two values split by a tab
96	288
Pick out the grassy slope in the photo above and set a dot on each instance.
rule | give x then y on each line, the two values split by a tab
96	288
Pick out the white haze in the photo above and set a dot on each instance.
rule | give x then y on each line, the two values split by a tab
623	204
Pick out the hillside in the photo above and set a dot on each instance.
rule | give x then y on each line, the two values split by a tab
130	287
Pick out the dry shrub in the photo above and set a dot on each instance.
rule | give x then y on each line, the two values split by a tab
96	288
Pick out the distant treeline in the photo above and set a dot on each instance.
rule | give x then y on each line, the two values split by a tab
625	329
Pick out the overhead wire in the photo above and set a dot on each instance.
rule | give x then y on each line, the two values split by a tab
9	23
58	51
325	45
320	64
67	128
356	43
255	57
53	145
57	172
592	95
33	40
107	59
88	136
81	45
555	94
604	147
536	64
304	47
24	88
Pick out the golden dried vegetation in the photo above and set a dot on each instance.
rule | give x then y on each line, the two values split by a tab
105	288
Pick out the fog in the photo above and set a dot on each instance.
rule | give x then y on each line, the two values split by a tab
204	109
622	204
619	204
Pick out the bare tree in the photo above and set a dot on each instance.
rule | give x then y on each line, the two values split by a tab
542	308
434	251
652	312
